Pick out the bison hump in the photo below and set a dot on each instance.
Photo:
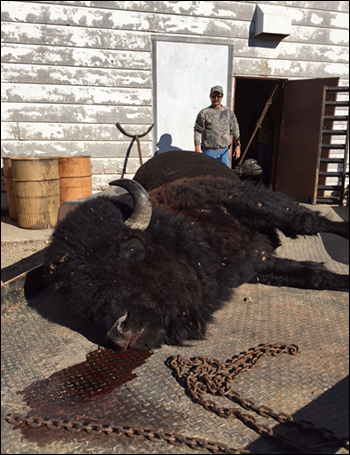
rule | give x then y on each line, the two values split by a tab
171	166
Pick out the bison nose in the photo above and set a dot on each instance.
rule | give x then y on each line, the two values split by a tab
122	321
118	332
121	333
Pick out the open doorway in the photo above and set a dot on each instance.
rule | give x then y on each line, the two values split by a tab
249	101
290	153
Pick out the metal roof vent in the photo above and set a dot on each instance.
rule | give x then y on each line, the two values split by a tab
272	20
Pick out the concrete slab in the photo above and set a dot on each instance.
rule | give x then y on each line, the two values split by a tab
11	232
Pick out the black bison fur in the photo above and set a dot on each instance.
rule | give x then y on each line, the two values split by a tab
249	168
170	166
143	285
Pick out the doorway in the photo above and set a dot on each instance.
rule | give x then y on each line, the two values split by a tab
250	98
291	159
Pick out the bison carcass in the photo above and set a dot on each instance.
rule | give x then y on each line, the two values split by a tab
151	267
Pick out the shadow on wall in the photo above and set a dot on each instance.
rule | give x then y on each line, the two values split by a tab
164	144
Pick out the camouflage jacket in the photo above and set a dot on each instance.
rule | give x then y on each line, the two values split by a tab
214	127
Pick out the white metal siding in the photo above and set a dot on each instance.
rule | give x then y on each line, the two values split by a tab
71	70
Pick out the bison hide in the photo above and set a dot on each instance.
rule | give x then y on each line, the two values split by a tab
152	265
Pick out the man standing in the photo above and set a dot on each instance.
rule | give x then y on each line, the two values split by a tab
216	131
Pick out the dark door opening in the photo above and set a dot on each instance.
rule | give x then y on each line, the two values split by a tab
288	150
250	98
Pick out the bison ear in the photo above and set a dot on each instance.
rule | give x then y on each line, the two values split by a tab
142	212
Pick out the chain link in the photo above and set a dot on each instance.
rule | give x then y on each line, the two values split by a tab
201	376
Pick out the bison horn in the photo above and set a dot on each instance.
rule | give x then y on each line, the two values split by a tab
142	213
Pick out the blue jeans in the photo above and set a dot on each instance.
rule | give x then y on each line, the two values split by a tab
222	155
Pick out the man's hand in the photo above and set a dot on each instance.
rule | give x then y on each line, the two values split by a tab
237	152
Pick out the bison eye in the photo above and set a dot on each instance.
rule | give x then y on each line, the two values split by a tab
132	250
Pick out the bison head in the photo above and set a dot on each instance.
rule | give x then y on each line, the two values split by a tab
249	168
117	261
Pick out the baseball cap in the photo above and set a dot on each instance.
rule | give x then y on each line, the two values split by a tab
217	88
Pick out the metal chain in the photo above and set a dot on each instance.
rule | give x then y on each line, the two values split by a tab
78	425
201	376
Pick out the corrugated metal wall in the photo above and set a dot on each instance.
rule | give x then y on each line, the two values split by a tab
71	70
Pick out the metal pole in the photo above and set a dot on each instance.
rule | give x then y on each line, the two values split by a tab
258	125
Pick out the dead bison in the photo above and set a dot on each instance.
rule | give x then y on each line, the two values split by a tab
151	267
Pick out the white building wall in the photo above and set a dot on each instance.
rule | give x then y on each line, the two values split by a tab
71	70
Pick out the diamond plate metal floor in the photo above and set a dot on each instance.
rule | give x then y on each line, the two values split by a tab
40	347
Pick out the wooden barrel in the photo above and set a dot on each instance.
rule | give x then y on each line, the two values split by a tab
11	200
37	191
75	177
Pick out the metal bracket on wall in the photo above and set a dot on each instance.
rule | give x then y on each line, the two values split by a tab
134	138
